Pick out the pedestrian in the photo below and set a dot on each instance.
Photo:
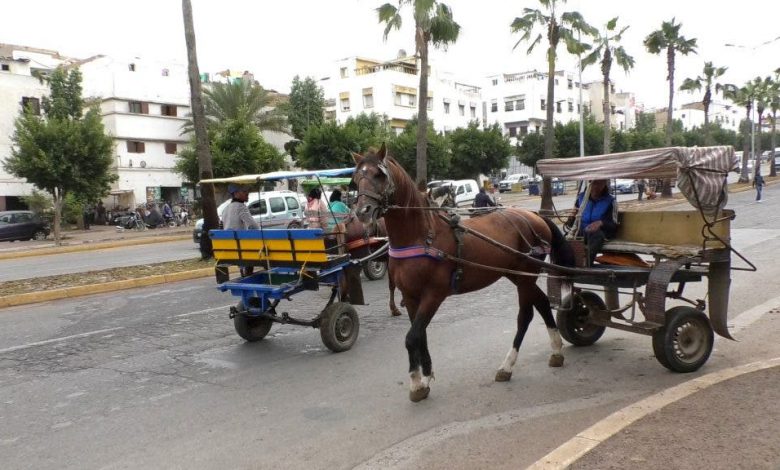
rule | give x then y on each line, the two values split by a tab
236	216
100	210
338	208
483	200
87	216
758	182
315	210
640	188
492	195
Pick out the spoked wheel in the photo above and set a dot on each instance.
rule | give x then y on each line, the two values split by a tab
684	344
39	235
339	326
573	322
375	270
250	328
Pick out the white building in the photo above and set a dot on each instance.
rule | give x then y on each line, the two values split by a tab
692	115
622	105
144	104
358	85
19	87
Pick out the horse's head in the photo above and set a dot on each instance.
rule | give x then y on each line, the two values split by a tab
374	185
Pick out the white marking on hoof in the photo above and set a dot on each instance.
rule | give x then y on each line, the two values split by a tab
556	343
416	380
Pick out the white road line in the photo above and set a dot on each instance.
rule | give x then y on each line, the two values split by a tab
748	317
55	340
199	312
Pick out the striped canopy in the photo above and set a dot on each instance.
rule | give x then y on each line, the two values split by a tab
700	171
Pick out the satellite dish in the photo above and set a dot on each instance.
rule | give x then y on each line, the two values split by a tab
143	163
401	53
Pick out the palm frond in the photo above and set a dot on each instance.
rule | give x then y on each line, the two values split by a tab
625	61
612	23
591	58
444	30
690	84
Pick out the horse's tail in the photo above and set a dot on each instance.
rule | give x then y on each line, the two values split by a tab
561	253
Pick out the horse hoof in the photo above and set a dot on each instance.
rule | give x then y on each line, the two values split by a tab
503	376
419	394
556	360
395	313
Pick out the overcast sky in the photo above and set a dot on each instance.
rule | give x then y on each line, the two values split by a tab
278	39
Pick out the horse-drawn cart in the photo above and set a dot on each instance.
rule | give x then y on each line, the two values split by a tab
287	262
653	249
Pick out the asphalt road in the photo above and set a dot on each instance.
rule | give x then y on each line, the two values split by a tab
157	378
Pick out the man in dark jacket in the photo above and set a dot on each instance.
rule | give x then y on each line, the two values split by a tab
483	200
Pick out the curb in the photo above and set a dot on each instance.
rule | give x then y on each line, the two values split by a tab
78	291
93	246
569	452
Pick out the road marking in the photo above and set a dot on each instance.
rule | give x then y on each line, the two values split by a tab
55	340
199	312
748	317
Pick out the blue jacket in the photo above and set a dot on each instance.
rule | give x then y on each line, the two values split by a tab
599	209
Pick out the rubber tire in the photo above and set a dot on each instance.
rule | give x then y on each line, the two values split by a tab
39	235
677	330
571	322
375	270
293	225
251	328
339	326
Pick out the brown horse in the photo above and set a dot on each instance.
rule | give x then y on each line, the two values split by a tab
427	265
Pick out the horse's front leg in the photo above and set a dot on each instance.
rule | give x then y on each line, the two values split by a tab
420	364
524	316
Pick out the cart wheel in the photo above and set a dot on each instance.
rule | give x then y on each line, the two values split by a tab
573	322
250	328
684	344
375	270
339	326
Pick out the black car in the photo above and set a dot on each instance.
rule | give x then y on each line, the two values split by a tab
22	225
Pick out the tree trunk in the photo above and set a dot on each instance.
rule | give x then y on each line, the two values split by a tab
57	216
772	171
706	102
666	186
210	217
743	175
757	147
546	206
422	119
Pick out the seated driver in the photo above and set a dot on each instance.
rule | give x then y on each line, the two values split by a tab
597	223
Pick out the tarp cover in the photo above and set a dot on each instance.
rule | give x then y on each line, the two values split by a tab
700	171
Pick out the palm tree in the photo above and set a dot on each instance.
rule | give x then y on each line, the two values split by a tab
774	106
605	49
241	100
743	96
763	91
210	218
555	26
711	73
433	24
668	39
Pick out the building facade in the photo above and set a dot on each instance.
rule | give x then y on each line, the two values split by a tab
358	85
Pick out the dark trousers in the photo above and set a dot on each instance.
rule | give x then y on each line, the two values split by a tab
594	242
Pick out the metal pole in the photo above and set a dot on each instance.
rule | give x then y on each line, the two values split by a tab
582	118
753	133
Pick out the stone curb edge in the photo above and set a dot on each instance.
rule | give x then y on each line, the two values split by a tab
569	452
92	246
78	291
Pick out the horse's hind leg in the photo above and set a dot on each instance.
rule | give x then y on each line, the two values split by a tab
542	304
393	309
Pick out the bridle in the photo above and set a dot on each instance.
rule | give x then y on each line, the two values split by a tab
380	197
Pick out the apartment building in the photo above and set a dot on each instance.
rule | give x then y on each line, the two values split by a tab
358	85
144	104
20	87
622	105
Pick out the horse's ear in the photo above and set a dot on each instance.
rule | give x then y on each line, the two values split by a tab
382	151
357	158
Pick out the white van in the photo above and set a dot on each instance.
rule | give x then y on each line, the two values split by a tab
465	192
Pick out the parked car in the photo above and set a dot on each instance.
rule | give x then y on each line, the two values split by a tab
22	225
286	211
517	178
624	186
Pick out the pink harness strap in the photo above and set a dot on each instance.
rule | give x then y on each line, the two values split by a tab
416	251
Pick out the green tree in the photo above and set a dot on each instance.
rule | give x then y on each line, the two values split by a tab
555	26
63	151
306	106
706	81
531	150
669	40
328	145
236	148
567	138
606	50
404	149
773	93
370	130
476	151
433	24
743	96
240	100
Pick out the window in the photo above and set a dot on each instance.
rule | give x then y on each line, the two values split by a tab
368	101
344	72
523	130
544	105
277	205
520	104
570	84
131	67
32	104
345	104
5	67
134	146
462	109
165	72
509	106
23	217
5	219
405	99
571	106
446	107
495	81
170	148
578	108
258	207
168	110
429	103
292	203
138	107
512	131
473	110
493	106
612	110
558	107
556	82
